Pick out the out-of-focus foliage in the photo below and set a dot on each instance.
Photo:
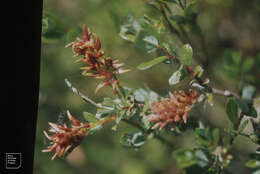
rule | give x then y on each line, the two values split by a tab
131	31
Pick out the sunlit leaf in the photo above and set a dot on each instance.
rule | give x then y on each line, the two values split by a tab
243	126
185	157
253	163
151	40
248	93
149	64
146	42
175	78
133	140
198	71
203	136
185	54
90	117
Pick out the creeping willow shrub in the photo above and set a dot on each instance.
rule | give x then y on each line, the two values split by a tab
148	111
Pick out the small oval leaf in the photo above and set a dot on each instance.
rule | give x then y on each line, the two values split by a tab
149	64
185	54
232	111
175	78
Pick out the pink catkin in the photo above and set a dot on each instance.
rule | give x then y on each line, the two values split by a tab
172	109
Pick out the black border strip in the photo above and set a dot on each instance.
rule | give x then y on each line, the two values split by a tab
19	124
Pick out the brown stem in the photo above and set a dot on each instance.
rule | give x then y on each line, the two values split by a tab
236	127
168	54
225	93
171	27
85	98
103	121
181	5
108	119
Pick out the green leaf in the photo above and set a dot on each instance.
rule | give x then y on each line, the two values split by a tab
145	122
215	135
89	117
252	112
185	54
185	158
101	113
232	110
171	1
151	40
146	41
178	76
255	138
130	29
149	64
198	71
108	101
256	172
133	140
126	34
202	159
243	126
141	95
236	56
53	28
248	64
248	110
203	136
169	50
253	163
175	78
242	105
178	19
146	96
248	93
257	151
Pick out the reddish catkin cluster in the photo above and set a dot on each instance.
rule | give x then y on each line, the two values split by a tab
66	139
172	109
97	65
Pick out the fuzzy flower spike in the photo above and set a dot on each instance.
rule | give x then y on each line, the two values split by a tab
65	139
172	109
97	65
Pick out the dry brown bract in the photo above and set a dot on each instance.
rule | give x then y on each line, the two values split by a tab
97	65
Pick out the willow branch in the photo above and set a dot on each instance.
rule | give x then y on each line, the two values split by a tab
85	98
173	30
225	93
186	37
181	5
88	100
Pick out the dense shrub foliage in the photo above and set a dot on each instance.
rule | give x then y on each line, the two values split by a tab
176	40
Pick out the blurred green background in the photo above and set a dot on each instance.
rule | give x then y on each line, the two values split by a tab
228	26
